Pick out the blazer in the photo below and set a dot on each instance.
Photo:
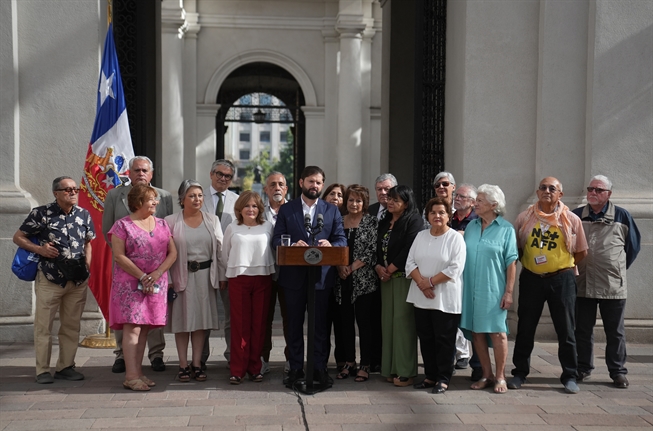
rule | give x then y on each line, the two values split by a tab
373	209
290	221
401	239
228	214
179	269
115	207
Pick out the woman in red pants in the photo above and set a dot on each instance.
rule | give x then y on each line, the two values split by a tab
250	264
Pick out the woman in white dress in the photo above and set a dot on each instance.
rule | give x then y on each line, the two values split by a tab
196	277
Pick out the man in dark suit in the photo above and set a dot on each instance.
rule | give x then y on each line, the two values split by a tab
115	208
382	185
294	279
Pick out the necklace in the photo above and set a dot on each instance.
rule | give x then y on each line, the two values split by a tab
147	226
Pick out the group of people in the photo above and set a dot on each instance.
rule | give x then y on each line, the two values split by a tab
439	276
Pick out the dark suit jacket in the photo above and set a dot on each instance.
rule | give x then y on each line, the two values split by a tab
401	239
290	221
373	209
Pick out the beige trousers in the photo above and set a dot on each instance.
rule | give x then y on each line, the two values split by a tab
70	301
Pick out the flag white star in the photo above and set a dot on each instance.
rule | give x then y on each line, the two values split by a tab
106	87
108	182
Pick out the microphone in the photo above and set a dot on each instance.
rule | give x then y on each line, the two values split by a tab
320	221
307	222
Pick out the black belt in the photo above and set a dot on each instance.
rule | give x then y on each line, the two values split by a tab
194	266
550	274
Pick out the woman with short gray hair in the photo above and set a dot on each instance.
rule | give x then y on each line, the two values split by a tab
196	277
488	282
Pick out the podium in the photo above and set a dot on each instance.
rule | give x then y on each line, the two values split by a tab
315	258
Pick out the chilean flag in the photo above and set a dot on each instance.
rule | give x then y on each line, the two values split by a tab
107	159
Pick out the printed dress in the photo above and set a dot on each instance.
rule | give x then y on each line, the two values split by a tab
147	251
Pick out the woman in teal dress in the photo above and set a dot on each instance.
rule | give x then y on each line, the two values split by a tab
489	278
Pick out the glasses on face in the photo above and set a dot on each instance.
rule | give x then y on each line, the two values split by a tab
441	184
223	175
69	190
596	190
461	197
544	188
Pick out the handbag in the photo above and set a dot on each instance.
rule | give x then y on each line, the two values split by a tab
25	263
73	269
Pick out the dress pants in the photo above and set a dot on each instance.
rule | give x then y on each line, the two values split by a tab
559	292
250	298
70	302
612	314
277	291
296	300
206	350
398	328
436	331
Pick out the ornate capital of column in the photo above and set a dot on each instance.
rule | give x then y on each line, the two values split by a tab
191	25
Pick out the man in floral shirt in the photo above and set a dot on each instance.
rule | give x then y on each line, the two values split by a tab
64	232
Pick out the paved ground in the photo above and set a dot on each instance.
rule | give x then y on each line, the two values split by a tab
100	402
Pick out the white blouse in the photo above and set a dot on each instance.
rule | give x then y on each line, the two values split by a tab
434	254
246	249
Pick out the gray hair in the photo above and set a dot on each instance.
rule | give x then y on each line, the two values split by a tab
183	189
472	190
56	181
603	179
495	196
385	177
276	173
223	162
444	174
144	158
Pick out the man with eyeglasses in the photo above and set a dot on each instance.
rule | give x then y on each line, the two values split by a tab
614	244
551	242
64	232
141	170
221	203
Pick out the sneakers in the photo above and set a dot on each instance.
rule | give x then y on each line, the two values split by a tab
583	376
462	363
118	366
68	374
620	381
44	378
516	382
158	365
265	366
571	387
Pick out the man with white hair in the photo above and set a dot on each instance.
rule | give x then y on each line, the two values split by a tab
613	240
382	186
141	170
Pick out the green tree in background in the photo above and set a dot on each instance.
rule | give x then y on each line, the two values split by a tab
284	165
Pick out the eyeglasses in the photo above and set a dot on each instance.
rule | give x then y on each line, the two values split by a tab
544	188
461	197
596	190
442	184
223	175
69	190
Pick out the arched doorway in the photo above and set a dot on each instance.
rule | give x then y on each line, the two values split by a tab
258	78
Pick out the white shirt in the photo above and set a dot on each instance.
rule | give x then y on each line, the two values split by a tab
309	210
214	196
434	254
246	250
271	215
381	212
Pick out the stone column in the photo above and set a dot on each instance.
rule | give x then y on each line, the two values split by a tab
324	153
350	25
206	142
190	29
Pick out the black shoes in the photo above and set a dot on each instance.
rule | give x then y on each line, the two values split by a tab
118	366
462	363
44	378
516	382
424	384
68	374
158	365
477	374
323	377
620	381
292	377
583	376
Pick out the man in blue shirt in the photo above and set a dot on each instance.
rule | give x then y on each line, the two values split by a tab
613	240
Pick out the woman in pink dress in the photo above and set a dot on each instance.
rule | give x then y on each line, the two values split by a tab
143	252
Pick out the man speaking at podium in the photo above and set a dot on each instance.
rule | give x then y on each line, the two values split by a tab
296	218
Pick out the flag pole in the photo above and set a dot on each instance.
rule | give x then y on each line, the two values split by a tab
106	340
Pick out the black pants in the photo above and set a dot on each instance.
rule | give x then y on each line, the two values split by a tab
364	312
612	314
559	292
436	331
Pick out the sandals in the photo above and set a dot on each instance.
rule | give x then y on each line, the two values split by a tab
424	384
136	385
440	388
500	386
346	370
147	381
184	374
258	378
198	374
235	380
403	381
483	383
363	369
